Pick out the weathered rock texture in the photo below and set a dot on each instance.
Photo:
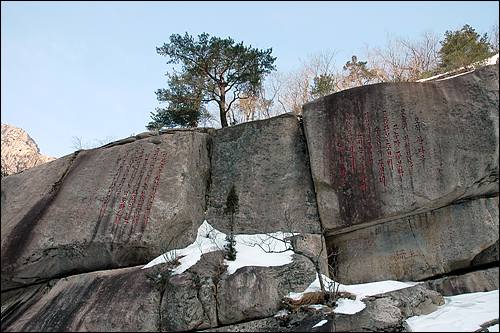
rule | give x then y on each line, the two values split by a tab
384	151
267	163
206	296
383	313
478	281
19	151
103	208
418	246
105	301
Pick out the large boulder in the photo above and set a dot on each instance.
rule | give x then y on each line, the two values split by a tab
384	151
419	246
117	206
256	292
207	296
267	163
106	301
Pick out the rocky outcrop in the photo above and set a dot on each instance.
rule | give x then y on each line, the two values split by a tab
133	199
256	292
383	313
419	246
404	178
384	151
103	208
19	151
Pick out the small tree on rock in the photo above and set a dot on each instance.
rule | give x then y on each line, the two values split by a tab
232	207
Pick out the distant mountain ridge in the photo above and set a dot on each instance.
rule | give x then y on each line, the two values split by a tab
19	151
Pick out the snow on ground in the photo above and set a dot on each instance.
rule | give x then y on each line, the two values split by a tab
251	250
348	306
321	323
260	250
489	61
460	313
456	75
493	60
493	328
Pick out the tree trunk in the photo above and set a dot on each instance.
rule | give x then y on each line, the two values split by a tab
222	110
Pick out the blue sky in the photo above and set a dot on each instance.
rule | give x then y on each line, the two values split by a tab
90	69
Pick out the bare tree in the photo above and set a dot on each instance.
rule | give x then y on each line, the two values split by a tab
405	59
494	37
292	240
297	86
78	143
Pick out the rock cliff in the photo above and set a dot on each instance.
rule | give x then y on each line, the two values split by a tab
390	181
19	151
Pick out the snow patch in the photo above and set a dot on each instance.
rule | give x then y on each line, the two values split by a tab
282	313
348	306
264	250
493	328
321	323
493	60
460	313
489	61
317	306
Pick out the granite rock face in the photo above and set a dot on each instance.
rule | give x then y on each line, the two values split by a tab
19	151
105	301
103	208
388	150
418	246
256	292
267	163
404	178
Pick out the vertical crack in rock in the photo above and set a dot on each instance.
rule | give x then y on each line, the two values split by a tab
309	175
418	243
209	176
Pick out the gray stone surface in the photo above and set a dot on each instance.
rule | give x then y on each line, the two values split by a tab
256	292
105	301
478	281
413	301
206	296
267	162
420	246
387	150
383	313
259	325
189	301
103	208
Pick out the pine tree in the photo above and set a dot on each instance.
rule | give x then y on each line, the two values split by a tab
323	85
463	47
232	207
213	69
358	73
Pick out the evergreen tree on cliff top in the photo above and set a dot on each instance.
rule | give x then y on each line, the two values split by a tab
213	69
463	47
